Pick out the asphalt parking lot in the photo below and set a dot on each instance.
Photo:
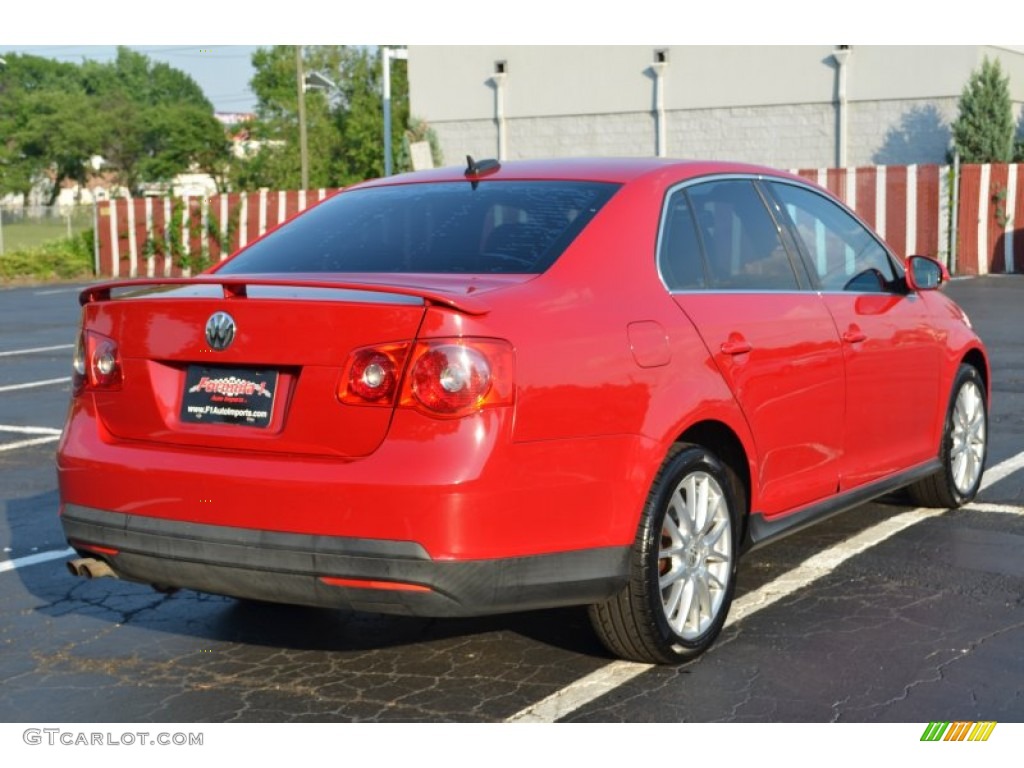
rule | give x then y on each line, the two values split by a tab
886	613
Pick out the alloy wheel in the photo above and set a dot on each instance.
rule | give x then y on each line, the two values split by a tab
695	555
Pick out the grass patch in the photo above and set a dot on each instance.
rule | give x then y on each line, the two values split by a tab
37	231
63	259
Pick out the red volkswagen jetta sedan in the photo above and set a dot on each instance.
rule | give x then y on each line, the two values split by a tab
506	387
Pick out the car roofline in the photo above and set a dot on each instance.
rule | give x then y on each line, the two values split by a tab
619	170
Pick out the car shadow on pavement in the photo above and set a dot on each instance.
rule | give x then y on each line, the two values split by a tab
205	618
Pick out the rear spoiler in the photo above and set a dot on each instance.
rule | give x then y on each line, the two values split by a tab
237	288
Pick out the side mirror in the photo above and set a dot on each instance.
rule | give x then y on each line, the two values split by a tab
925	273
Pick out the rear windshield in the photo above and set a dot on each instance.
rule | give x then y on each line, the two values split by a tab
448	227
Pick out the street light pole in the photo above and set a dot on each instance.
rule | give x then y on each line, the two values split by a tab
303	147
387	55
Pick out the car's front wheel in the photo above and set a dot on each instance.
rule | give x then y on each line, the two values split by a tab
683	568
963	449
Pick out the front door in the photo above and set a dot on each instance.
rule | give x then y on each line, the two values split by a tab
892	356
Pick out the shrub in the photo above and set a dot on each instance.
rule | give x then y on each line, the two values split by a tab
63	259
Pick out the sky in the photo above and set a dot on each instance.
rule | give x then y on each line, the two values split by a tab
222	71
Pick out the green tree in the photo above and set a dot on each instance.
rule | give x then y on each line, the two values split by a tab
344	126
148	121
983	131
276	130
44	123
161	124
362	123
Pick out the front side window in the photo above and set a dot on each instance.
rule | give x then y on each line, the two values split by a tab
443	227
845	255
741	240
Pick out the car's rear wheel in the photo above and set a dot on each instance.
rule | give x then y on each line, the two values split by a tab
683	567
963	449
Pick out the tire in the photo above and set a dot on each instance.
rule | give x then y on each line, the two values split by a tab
683	564
963	449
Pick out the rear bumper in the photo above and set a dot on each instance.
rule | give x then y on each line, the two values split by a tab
397	577
460	489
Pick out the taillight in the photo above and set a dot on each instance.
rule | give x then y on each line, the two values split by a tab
451	379
78	365
372	374
445	377
97	363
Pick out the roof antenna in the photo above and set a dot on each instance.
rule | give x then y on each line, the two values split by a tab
474	169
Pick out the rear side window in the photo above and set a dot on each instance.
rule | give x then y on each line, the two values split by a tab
682	266
448	227
741	240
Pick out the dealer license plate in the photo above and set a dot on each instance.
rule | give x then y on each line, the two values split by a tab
242	396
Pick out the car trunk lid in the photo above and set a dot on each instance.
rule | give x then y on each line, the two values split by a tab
273	386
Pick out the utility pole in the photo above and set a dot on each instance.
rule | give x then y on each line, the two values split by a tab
303	146
387	54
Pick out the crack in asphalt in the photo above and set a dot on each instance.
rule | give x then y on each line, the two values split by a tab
445	679
941	669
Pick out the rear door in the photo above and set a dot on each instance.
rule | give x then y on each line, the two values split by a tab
726	262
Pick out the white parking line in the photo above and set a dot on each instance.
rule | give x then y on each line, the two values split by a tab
1001	509
42	557
29	443
585	690
52	291
29	430
1001	470
35	350
33	384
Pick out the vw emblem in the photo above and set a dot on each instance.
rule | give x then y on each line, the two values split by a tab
220	330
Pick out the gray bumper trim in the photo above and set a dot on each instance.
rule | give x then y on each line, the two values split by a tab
287	567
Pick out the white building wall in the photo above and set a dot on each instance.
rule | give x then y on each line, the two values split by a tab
782	136
775	105
616	135
901	132
623	134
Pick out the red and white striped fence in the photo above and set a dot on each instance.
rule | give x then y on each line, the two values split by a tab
908	205
990	225
163	237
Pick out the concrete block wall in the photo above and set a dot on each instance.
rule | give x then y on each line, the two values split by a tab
900	132
780	136
617	135
897	132
459	138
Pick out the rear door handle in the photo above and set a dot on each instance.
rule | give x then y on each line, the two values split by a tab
736	345
854	335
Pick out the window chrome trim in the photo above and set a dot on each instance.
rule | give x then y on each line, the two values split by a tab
911	296
792	181
754	292
710	178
